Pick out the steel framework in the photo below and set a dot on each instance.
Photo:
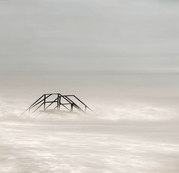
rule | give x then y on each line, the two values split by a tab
57	101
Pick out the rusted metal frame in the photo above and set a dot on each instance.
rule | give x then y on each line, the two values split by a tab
83	103
65	107
37	107
30	107
51	103
70	102
52	93
66	103
79	101
74	104
36	102
58	101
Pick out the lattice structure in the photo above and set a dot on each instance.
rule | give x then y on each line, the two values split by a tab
57	101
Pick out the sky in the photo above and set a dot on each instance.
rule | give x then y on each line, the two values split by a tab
43	41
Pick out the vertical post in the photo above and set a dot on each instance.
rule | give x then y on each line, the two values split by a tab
72	107
44	101
58	102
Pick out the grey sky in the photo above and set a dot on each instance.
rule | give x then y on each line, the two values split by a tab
88	35
83	46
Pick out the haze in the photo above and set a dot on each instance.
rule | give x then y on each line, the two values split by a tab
59	40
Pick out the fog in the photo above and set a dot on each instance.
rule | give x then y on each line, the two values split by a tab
84	43
119	56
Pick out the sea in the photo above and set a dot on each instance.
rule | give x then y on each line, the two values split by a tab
134	127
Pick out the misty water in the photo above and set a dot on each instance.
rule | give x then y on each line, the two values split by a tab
119	56
122	135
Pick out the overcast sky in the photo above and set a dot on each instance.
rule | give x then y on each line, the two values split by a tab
88	35
54	37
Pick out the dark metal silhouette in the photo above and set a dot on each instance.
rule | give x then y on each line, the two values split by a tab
57	101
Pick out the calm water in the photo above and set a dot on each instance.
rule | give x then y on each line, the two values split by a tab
128	134
119	56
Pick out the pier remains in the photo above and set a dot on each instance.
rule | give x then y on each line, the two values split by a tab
57	101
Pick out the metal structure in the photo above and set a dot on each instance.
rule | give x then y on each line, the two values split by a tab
57	101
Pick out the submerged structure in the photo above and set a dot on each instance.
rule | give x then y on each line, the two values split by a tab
58	102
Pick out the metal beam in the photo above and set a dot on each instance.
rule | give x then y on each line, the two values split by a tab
42	101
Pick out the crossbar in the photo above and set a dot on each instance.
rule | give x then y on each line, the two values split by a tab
45	102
